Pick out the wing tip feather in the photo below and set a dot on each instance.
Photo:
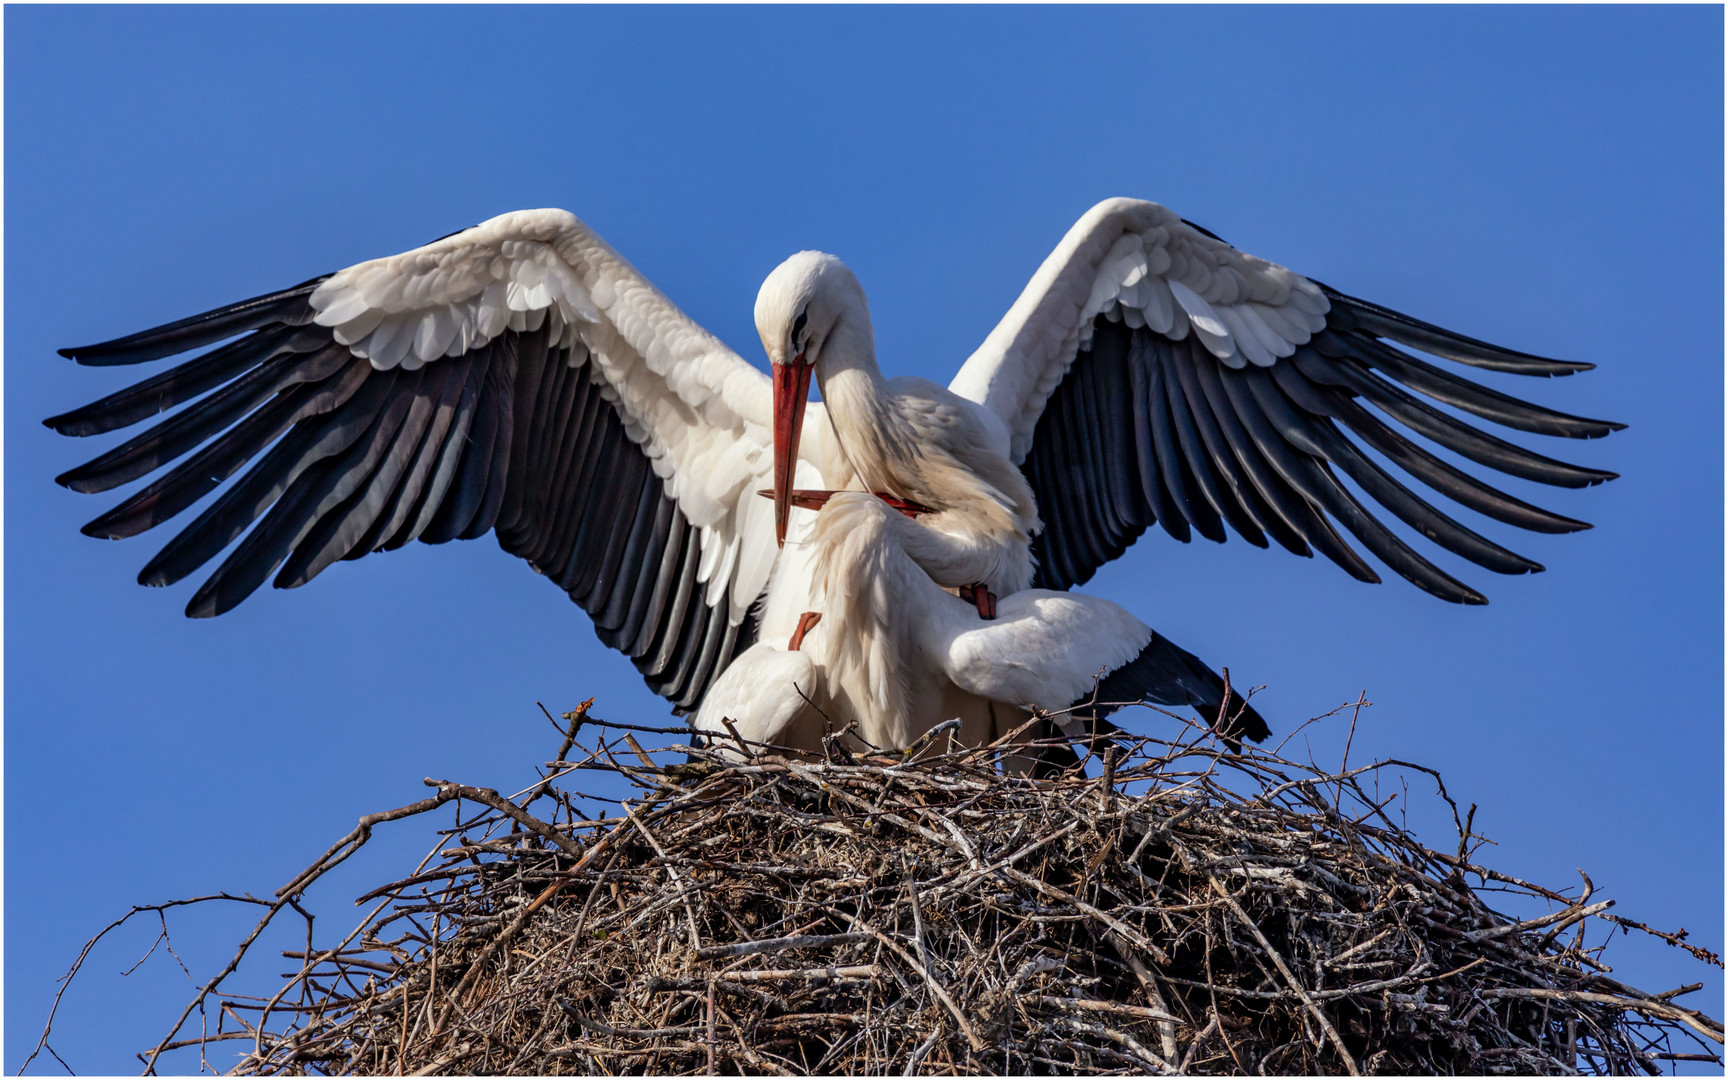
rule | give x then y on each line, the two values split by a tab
79	423
77	480
1247	723
209	601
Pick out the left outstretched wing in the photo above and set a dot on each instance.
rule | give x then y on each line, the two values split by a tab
518	377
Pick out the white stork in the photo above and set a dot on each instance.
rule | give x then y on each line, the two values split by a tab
520	377
898	655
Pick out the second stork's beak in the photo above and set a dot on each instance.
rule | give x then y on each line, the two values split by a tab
791	395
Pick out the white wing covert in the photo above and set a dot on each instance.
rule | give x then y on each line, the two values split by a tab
517	377
1151	373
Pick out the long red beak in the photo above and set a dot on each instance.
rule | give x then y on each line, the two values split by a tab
791	395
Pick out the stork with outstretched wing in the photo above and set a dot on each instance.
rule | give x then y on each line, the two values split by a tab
521	378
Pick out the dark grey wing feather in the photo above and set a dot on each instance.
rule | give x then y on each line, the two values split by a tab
341	531
1460	486
1230	494
192	427
394	527
637	599
1322	443
181	384
1350	313
1157	486
433	500
1341	370
1169	434
322	458
1163	483
624	561
319	494
1291	519
304	447
289	307
222	457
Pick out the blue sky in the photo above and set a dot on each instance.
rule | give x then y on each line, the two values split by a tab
1549	178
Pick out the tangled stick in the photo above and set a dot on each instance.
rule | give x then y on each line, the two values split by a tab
1167	906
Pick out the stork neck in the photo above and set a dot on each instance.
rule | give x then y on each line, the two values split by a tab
849	355
854	394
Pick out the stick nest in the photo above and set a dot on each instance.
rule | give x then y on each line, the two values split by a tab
1169	906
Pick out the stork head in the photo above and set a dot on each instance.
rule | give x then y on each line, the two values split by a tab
802	303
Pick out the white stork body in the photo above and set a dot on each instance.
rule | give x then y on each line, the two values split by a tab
897	654
520	377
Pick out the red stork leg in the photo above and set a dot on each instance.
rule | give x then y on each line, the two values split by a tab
981	597
806	623
809	499
905	506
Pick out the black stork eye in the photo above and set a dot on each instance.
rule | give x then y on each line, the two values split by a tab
798	331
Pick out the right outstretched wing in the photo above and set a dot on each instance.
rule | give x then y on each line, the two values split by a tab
1152	373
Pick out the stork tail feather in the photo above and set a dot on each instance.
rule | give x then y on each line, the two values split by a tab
1169	675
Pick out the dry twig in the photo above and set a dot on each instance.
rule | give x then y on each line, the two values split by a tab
1194	909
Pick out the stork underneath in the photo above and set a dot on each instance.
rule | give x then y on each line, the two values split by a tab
894	654
520	378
